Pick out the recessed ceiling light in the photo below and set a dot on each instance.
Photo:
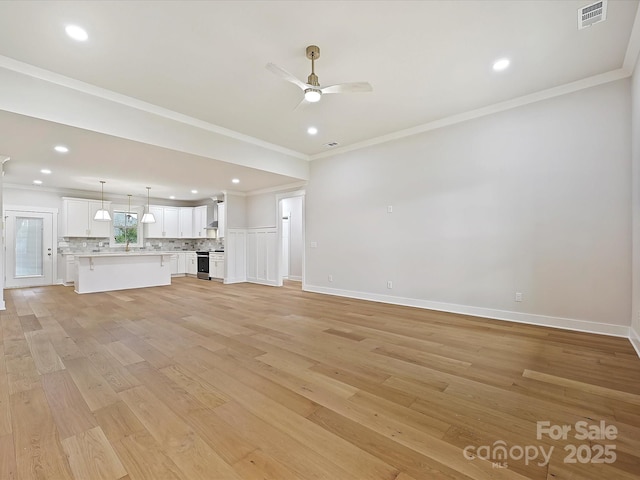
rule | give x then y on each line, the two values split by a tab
501	64
77	33
172	197
46	171
235	180
61	149
312	130
194	191
37	182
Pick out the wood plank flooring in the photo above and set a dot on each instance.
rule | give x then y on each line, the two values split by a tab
200	380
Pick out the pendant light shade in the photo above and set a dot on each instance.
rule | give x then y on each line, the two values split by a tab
148	216
102	215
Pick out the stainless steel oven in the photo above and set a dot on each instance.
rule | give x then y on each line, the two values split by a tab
203	265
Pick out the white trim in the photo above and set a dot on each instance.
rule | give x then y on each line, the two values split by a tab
633	47
593	81
280	188
634	337
61	80
22	208
518	317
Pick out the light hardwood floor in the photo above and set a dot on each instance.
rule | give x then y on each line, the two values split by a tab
207	381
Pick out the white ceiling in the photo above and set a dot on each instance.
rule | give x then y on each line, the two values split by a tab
426	60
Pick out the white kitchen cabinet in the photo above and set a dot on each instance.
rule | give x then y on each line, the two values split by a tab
67	266
216	265
156	229
182	263
221	219
178	263
185	220
78	219
191	260
200	222
171	224
167	222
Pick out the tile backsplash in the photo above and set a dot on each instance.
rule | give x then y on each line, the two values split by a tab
90	245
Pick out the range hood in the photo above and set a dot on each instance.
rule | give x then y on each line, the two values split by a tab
212	214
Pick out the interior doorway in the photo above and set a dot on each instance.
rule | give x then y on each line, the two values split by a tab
286	244
291	226
29	257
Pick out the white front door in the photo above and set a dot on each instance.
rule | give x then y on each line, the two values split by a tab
29	249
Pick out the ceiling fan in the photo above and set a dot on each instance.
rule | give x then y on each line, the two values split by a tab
312	89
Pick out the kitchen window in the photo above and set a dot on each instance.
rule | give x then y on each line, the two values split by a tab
126	229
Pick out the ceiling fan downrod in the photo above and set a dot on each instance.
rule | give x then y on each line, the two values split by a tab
313	52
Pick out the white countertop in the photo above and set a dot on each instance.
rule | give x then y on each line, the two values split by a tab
133	252
122	254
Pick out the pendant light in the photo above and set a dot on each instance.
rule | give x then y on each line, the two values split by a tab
148	217
126	227
102	215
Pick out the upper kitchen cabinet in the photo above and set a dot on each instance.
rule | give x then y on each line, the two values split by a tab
185	221
78	219
200	222
167	222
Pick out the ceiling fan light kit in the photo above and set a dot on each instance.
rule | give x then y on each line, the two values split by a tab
312	90
312	95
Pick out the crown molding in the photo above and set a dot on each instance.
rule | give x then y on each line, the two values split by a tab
585	83
103	93
280	188
633	47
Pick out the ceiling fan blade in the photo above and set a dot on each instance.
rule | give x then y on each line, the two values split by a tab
354	87
282	73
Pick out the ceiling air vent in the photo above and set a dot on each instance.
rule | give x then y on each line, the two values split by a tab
592	14
331	144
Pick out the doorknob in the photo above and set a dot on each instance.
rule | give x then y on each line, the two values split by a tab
49	254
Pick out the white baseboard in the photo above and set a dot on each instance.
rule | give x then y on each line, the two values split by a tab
635	340
294	278
518	317
2	305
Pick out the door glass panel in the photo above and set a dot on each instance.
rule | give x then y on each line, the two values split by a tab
29	247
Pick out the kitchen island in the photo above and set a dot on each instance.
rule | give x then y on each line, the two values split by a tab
103	272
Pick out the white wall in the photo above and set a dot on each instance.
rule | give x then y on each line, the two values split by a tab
534	199
235	210
293	205
261	210
635	180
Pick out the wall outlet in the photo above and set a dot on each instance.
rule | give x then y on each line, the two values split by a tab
389	284
518	297
390	209
331	278
314	245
